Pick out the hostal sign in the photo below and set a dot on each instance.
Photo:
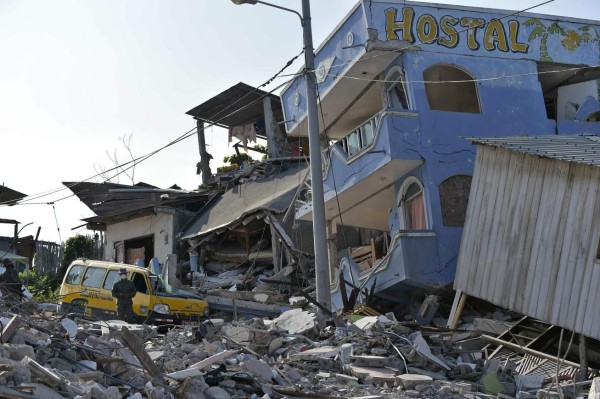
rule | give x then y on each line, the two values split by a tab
444	31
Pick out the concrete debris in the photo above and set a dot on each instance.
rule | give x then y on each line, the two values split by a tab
296	321
285	356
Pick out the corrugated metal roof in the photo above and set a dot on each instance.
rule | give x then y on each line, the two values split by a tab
9	195
238	105
583	149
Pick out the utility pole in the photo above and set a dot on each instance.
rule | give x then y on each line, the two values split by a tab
202	166
316	169
314	143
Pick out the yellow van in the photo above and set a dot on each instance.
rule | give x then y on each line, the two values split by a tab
87	289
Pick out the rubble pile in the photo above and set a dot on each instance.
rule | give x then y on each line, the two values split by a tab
293	355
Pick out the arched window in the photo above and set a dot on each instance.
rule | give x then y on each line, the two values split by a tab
451	94
454	197
396	90
412	206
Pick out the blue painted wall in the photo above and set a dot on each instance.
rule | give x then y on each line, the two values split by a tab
511	105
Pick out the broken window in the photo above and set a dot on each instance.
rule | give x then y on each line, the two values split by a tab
449	88
454	196
397	96
412	206
140	283
569	95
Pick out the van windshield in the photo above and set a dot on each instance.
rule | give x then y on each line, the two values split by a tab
159	285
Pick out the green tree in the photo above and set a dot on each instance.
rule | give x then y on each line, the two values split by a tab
79	246
237	159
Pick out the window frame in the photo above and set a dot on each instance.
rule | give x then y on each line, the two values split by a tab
389	86
471	79
106	279
401	204
134	275
96	268
81	268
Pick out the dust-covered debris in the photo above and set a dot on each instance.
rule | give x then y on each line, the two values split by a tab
291	355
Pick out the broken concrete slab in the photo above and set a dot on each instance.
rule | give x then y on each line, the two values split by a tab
196	369
216	393
369	361
423	348
259	369
375	375
366	322
296	321
411	381
240	334
324	352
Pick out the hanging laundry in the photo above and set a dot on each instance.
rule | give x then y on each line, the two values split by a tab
244	133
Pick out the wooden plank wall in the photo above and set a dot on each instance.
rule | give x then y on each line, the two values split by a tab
48	257
530	238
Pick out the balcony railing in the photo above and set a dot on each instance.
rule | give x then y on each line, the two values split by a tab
359	138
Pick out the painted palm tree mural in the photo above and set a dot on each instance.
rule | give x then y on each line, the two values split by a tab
571	40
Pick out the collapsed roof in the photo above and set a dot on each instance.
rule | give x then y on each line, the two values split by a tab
111	202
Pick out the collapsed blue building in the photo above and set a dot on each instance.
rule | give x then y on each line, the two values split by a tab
400	84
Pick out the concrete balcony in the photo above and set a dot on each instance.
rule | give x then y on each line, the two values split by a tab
410	262
362	168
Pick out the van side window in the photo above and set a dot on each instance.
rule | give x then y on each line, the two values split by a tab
93	277
74	276
111	278
140	283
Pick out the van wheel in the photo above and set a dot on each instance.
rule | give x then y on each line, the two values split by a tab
78	307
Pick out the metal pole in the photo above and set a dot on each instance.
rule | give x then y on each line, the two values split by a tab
316	170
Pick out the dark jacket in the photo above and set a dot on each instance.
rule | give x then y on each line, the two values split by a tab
124	291
10	280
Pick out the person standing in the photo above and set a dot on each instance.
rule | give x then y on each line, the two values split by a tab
10	283
124	291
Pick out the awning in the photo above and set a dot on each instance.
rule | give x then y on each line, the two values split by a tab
274	193
13	257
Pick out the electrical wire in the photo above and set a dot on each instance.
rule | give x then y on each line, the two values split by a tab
399	50
469	80
140	159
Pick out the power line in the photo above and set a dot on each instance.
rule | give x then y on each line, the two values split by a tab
189	133
467	80
421	42
140	159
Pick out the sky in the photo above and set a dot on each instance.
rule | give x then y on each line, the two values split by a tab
76	76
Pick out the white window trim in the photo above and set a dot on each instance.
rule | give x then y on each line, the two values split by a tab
405	85
402	208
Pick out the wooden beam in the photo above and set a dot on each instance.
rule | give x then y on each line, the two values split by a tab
457	306
526	351
9	329
49	377
128	339
583	360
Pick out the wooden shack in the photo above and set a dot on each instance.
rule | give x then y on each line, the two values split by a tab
532	230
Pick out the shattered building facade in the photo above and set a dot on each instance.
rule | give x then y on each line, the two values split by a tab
400	84
137	221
